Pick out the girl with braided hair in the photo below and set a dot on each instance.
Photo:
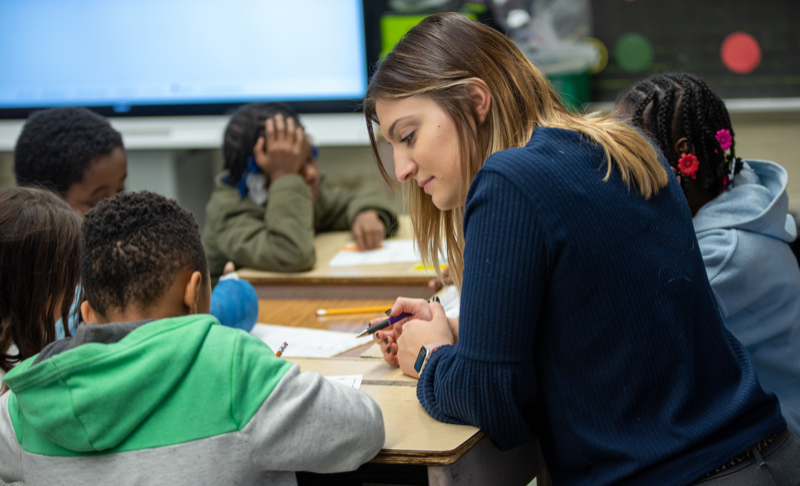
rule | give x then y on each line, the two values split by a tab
739	210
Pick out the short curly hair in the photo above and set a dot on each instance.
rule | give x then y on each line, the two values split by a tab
134	244
58	145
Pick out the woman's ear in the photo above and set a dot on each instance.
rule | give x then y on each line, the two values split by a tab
88	313
483	98
192	293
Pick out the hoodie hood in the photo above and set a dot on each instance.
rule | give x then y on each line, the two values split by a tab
756	202
95	390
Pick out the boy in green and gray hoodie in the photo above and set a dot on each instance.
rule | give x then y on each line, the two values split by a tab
152	390
269	203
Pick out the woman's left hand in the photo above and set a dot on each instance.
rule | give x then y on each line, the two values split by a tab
368	230
418	333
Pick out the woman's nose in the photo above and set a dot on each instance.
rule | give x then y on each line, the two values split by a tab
404	167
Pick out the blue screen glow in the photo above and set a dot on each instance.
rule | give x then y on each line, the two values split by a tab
111	52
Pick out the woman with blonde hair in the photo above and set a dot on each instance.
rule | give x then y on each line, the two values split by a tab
587	319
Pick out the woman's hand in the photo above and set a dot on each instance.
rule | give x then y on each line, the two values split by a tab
284	150
368	230
417	333
437	284
387	338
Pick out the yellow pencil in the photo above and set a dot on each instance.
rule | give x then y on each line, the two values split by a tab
354	247
350	310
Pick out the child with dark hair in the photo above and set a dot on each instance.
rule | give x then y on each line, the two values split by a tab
73	152
739	210
40	239
78	155
270	202
156	387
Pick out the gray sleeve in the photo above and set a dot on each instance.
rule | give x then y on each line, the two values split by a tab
10	450
310	424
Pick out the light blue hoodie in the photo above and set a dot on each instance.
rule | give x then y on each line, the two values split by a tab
744	235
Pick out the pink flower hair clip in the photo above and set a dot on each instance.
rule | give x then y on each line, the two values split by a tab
725	139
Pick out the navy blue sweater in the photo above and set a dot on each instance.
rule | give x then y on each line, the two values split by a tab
587	320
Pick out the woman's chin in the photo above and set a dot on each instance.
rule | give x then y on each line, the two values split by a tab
443	204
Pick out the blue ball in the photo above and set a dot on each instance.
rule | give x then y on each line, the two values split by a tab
235	304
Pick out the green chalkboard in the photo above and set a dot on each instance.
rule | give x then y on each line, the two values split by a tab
743	49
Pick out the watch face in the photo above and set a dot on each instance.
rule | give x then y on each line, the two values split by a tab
420	359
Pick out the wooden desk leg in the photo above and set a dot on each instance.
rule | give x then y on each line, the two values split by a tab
485	464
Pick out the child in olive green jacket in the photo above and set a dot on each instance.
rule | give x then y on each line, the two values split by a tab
269	203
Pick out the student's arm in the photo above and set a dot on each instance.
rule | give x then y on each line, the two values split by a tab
306	423
281	240
338	208
10	450
488	378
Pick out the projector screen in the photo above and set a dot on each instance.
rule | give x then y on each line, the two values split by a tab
173	57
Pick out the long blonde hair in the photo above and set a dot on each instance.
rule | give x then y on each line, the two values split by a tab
440	58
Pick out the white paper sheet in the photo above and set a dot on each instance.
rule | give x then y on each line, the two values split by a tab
308	343
451	301
393	251
350	381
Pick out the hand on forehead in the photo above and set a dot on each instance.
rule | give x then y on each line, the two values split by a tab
286	130
284	148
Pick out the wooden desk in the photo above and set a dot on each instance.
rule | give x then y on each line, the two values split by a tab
453	454
325	282
412	436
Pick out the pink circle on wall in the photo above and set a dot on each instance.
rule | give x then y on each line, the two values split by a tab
740	53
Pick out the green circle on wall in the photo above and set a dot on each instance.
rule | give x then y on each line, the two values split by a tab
634	53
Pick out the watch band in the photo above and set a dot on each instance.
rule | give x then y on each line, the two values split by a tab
425	354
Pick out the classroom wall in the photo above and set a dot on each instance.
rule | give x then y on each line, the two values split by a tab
773	137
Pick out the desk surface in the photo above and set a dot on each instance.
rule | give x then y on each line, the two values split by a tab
326	246
412	436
